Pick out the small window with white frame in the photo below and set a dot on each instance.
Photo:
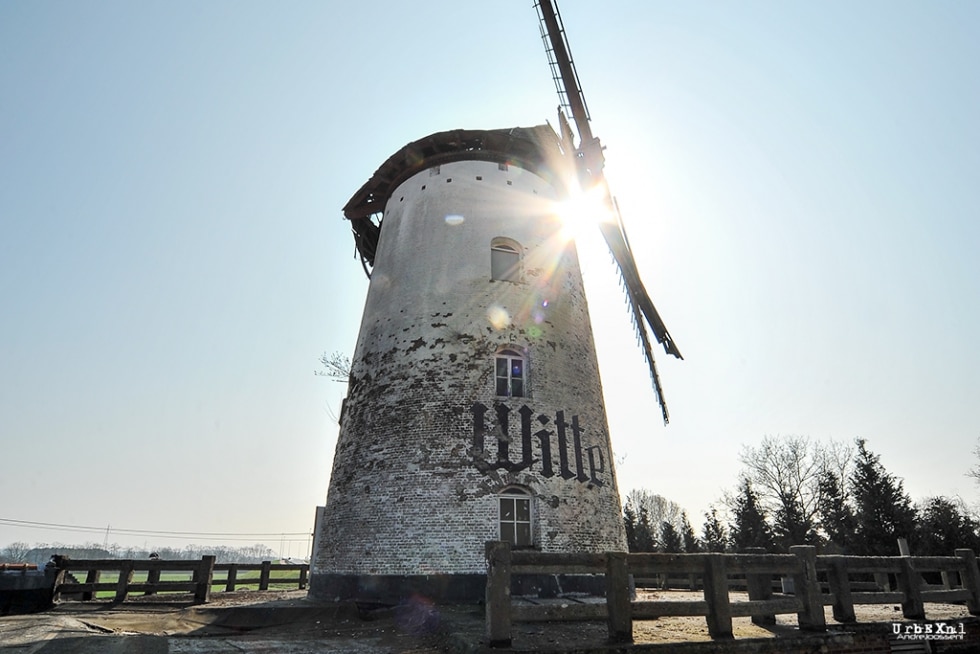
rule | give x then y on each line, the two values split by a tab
510	374
505	260
516	517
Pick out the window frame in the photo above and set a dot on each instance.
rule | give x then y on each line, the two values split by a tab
508	355
516	494
506	259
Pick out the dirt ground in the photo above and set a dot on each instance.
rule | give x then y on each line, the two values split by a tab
287	623
281	622
695	629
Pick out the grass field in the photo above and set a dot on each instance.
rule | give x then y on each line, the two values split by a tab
244	580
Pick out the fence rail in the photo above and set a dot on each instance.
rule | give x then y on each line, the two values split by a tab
265	570
198	577
817	581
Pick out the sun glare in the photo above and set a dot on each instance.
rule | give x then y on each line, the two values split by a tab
582	212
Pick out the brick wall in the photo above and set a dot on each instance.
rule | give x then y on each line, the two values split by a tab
413	489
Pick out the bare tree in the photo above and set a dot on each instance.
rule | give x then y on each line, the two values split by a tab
336	366
975	470
786	472
659	510
839	458
15	552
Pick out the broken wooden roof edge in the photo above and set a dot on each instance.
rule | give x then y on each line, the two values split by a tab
535	148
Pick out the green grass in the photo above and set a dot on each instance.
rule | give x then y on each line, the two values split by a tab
244	580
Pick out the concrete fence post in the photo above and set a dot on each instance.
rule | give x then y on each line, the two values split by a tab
498	593
232	578
91	577
58	580
970	577
618	598
840	588
152	578
204	575
910	583
719	616
125	578
264	575
807	588
759	586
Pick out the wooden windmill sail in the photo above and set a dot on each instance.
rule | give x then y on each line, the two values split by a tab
590	161
474	409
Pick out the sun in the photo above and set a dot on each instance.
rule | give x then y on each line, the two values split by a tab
582	212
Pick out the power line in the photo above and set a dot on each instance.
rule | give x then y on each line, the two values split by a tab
203	535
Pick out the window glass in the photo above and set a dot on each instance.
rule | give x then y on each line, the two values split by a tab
523	511
515	518
509	370
502	363
502	387
505	262
523	536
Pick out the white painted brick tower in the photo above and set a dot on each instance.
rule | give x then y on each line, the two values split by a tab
474	408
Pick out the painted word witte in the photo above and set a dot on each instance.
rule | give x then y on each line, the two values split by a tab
544	436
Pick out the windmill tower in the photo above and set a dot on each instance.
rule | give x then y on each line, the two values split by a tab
474	408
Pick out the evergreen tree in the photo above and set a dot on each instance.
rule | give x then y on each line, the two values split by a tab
836	516
630	523
714	536
670	539
644	533
750	528
791	526
943	527
691	543
644	514
659	510
883	511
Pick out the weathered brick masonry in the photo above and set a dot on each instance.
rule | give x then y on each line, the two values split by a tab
426	446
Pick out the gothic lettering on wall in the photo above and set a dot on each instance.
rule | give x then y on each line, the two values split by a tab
547	439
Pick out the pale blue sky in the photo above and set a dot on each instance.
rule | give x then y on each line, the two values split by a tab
799	181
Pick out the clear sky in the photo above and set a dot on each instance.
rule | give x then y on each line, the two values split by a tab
799	181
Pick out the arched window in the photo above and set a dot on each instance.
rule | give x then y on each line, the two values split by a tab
515	517
505	260
510	373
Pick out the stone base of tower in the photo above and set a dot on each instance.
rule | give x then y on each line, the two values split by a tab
443	588
394	589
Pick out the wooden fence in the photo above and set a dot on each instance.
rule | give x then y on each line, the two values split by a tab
199	577
818	581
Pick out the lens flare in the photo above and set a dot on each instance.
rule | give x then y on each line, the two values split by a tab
582	211
498	317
